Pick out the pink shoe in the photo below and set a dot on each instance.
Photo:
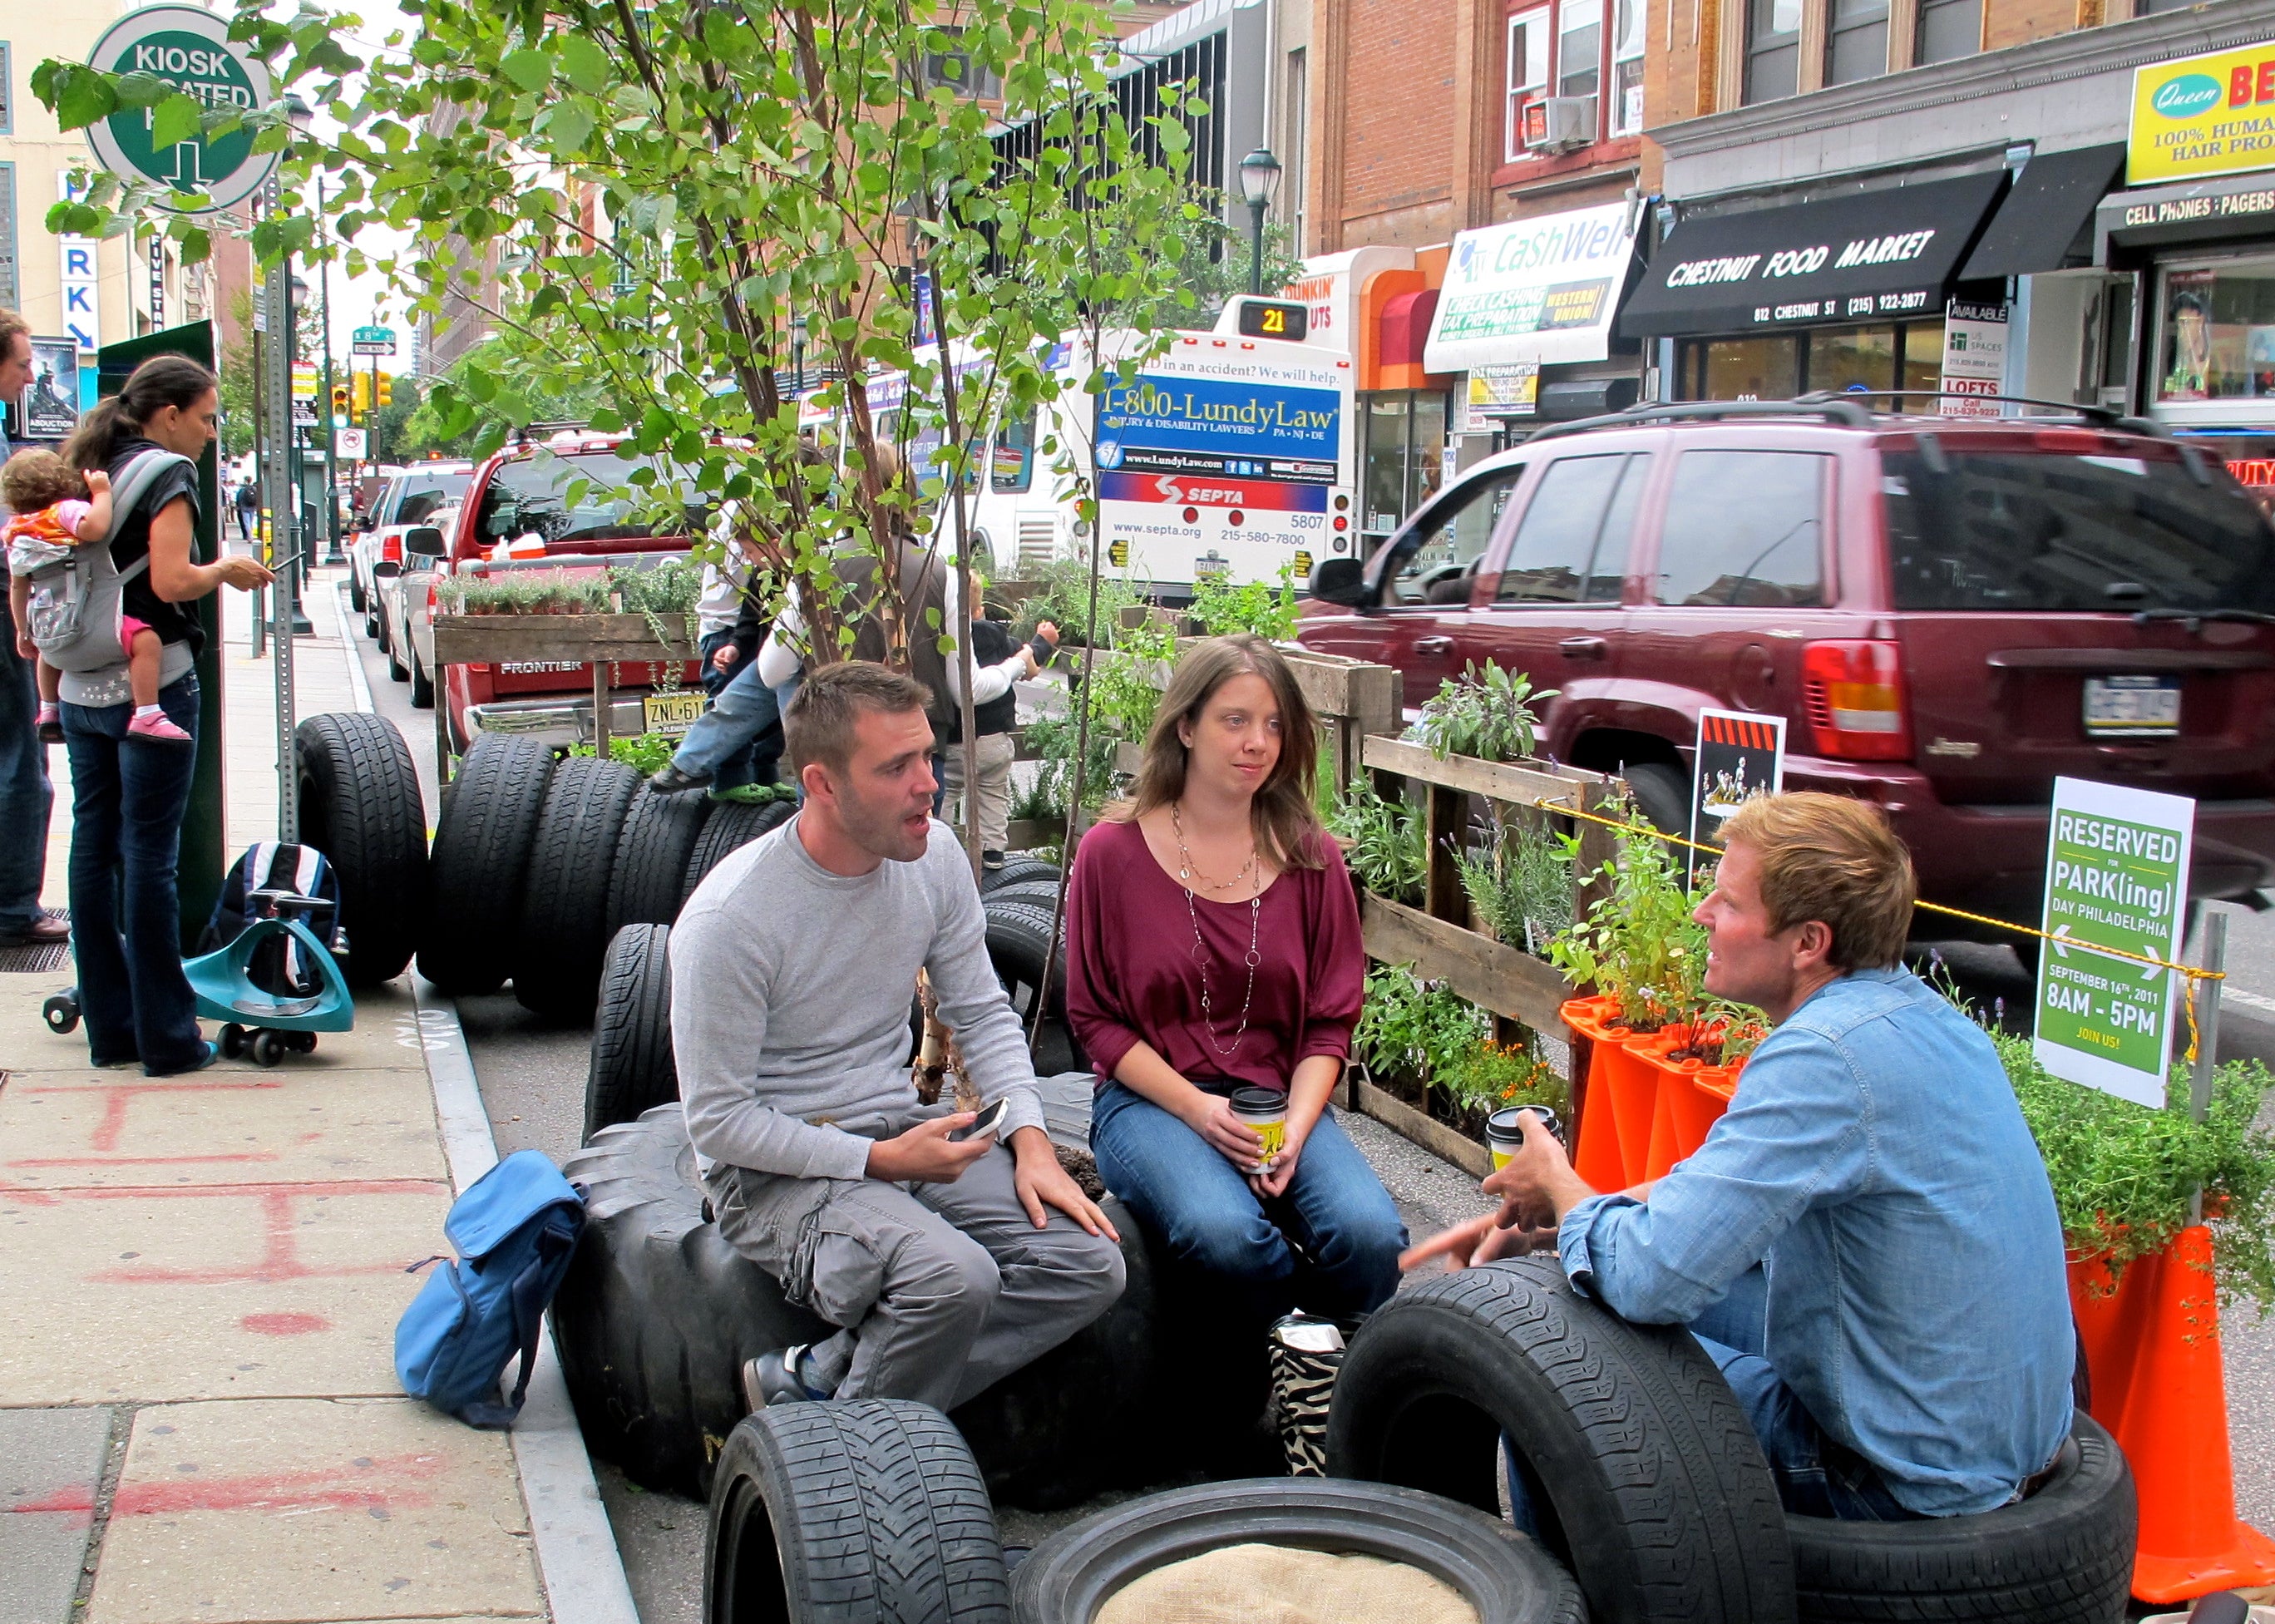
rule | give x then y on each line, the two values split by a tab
157	727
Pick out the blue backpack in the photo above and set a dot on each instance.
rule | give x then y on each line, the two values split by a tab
515	1231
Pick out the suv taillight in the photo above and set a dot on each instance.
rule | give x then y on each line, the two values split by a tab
391	548
1854	693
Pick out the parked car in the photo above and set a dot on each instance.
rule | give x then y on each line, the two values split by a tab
1948	612
405	594
408	498
572	498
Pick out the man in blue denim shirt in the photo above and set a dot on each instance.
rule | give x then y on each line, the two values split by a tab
1866	1243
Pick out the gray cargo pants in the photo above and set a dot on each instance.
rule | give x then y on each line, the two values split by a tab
941	1289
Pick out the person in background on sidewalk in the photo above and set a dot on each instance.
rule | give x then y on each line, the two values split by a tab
248	510
1866	1244
27	798
730	629
997	664
947	1264
129	794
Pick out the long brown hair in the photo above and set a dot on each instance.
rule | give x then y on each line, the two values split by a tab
160	382
1288	831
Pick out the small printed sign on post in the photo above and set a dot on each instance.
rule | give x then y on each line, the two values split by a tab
1740	755
2117	864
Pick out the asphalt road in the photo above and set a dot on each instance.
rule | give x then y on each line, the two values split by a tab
532	1076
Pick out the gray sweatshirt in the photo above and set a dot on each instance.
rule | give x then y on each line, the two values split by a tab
791	988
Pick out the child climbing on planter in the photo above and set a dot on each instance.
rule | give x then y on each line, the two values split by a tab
58	509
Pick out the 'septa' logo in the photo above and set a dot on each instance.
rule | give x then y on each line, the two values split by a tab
2186	96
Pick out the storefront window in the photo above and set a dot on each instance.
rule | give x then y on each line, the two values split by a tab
1780	365
2216	339
1404	458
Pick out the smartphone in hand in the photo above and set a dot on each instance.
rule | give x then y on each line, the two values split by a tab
990	1119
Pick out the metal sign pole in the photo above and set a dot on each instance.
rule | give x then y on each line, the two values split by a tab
284	526
332	555
2214	953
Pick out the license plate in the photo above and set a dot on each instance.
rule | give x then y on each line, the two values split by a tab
672	713
2132	706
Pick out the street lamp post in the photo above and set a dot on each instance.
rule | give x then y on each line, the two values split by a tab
296	297
1260	178
332	554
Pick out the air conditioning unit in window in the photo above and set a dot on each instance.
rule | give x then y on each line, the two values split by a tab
1559	124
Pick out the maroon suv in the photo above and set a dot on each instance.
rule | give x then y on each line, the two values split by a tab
1948	612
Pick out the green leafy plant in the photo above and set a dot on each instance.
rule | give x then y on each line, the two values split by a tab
1383	842
2123	1174
1521	886
1062	597
1124	687
645	753
1638	943
525	592
1052	737
1414	1029
1488	1076
1268	608
1484	712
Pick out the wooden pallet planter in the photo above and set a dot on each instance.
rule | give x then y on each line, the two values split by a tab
596	641
1525	992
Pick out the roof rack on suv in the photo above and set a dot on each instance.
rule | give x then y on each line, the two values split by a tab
1833	409
2106	417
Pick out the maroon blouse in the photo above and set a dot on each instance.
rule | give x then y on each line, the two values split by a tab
1130	974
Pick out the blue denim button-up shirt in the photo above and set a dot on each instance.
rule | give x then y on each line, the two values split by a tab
1875	1162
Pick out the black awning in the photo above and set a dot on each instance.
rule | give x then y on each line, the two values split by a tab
2044	224
1877	256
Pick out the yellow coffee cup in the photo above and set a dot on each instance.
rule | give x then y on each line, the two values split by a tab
1263	1111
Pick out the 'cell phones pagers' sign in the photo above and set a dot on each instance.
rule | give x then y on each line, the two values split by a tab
1740	755
2117	865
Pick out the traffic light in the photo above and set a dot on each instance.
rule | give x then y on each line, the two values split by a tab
362	393
385	384
339	400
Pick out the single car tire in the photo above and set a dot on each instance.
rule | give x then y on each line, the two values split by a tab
1040	892
355	591
1647	1477
1018	941
1660	791
360	805
631	1070
564	907
1015	870
2066	1553
867	1512
482	843
395	670
422	686
659	1311
646	885
1502	1574
731	827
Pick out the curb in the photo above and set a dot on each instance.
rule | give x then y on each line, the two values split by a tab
577	1556
358	683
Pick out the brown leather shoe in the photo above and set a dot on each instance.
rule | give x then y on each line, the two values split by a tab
46	928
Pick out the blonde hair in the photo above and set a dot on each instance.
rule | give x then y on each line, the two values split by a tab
1288	830
32	480
1833	858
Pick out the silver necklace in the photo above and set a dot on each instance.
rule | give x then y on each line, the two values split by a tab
1185	873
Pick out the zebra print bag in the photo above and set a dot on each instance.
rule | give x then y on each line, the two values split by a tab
1306	1354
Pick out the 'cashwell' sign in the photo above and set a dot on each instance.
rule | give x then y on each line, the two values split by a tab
2208	115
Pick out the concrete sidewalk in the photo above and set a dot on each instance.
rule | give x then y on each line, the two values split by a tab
199	1414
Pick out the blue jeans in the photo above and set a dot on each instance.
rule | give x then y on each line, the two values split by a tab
738	740
1335	1210
26	795
735	769
1815	1477
128	797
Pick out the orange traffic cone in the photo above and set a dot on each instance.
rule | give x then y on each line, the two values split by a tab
2152	1349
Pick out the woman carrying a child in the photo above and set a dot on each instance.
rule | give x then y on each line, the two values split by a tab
130	781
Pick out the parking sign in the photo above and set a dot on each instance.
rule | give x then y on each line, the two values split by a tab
2117	865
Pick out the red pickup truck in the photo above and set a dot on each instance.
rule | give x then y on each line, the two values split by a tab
574	495
1949	613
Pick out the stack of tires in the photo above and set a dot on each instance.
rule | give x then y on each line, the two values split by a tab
659	1312
1020	899
358	796
538	866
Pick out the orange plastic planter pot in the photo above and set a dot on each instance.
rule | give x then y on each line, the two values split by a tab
1615	1128
1689	1097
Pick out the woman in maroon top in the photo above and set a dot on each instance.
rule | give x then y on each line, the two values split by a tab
1212	943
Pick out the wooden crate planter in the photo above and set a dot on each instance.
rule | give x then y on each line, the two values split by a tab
1521	989
597	641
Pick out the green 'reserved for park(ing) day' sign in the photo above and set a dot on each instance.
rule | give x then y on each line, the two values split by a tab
2117	864
189	48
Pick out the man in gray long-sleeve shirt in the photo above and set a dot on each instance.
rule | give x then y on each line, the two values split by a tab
792	966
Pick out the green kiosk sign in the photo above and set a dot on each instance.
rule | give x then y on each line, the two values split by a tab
2117	864
189	48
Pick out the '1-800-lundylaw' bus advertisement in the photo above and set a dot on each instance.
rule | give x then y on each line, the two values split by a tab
1226	457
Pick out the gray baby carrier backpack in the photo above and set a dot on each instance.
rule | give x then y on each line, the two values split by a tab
75	606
